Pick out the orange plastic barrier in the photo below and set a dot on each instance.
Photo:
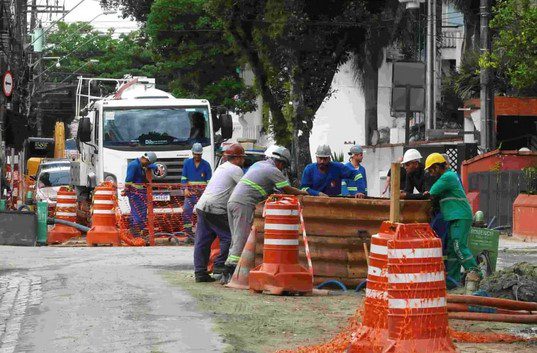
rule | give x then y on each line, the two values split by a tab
215	251
373	333
104	228
240	278
66	208
525	217
417	306
281	271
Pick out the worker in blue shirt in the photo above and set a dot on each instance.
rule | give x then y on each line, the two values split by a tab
196	171
135	190
324	177
356	188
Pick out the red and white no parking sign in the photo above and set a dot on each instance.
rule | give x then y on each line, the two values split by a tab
7	84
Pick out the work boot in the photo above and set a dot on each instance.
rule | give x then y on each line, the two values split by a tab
227	274
219	269
472	281
203	277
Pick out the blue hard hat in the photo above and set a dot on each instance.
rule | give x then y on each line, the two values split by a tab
356	149
197	148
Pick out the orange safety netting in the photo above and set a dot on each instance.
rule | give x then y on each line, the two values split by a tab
157	210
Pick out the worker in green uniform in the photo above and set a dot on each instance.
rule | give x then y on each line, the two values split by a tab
456	210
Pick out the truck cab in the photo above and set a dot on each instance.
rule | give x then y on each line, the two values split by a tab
135	119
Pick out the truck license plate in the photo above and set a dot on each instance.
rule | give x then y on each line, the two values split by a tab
161	197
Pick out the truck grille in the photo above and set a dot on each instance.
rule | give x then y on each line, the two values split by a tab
174	167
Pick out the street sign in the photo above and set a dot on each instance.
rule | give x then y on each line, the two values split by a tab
7	84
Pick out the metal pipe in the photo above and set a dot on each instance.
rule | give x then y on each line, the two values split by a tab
80	227
517	319
494	302
457	307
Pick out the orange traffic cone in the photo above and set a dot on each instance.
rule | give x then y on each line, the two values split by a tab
281	271
66	210
104	225
372	334
239	280
417	306
215	251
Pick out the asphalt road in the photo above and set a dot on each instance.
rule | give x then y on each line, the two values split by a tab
98	300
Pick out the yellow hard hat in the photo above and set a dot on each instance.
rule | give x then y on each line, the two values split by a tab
434	158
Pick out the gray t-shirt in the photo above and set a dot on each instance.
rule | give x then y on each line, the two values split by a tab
258	182
216	194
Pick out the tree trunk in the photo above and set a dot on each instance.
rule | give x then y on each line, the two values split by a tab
370	87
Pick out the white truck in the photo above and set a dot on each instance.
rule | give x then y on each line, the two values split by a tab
135	117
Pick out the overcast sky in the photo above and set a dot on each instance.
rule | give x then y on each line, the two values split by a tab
86	11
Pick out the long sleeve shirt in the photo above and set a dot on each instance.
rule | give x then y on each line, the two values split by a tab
358	186
329	182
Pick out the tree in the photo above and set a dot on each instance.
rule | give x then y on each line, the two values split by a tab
137	9
191	46
294	49
79	43
514	45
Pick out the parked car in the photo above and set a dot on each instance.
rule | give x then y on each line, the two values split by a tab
51	176
252	156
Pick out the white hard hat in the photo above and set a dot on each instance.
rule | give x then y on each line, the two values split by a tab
150	156
323	151
269	151
524	149
282	154
411	155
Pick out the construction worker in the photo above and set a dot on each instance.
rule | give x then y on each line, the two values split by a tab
357	188
255	186
455	209
416	176
212	214
402	177
136	192
324	177
196	172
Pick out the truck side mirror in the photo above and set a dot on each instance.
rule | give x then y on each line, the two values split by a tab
84	130
226	126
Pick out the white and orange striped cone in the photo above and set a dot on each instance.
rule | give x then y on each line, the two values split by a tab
417	307
66	208
239	280
104	228
281	271
372	334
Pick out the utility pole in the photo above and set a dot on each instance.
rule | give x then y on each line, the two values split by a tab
430	121
488	135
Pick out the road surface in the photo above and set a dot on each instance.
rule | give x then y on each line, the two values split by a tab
98	300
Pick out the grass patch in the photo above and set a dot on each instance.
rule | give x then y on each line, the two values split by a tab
251	322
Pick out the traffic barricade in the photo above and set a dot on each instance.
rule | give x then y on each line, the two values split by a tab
66	206
104	229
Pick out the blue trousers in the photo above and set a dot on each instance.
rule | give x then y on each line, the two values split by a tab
188	209
138	204
209	227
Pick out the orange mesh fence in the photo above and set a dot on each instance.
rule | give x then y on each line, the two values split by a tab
156	210
407	280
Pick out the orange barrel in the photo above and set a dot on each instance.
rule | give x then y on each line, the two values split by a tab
66	207
417	306
373	333
104	225
281	271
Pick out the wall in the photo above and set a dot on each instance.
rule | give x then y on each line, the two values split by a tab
377	162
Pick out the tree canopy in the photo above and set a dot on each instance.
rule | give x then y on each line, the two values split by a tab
514	46
192	47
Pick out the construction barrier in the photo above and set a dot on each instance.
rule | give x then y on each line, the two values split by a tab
337	230
240	278
66	207
104	228
417	305
157	210
281	271
373	333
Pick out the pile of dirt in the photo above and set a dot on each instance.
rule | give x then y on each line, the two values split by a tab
518	282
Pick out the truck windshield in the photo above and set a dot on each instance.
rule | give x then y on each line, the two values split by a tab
160	127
